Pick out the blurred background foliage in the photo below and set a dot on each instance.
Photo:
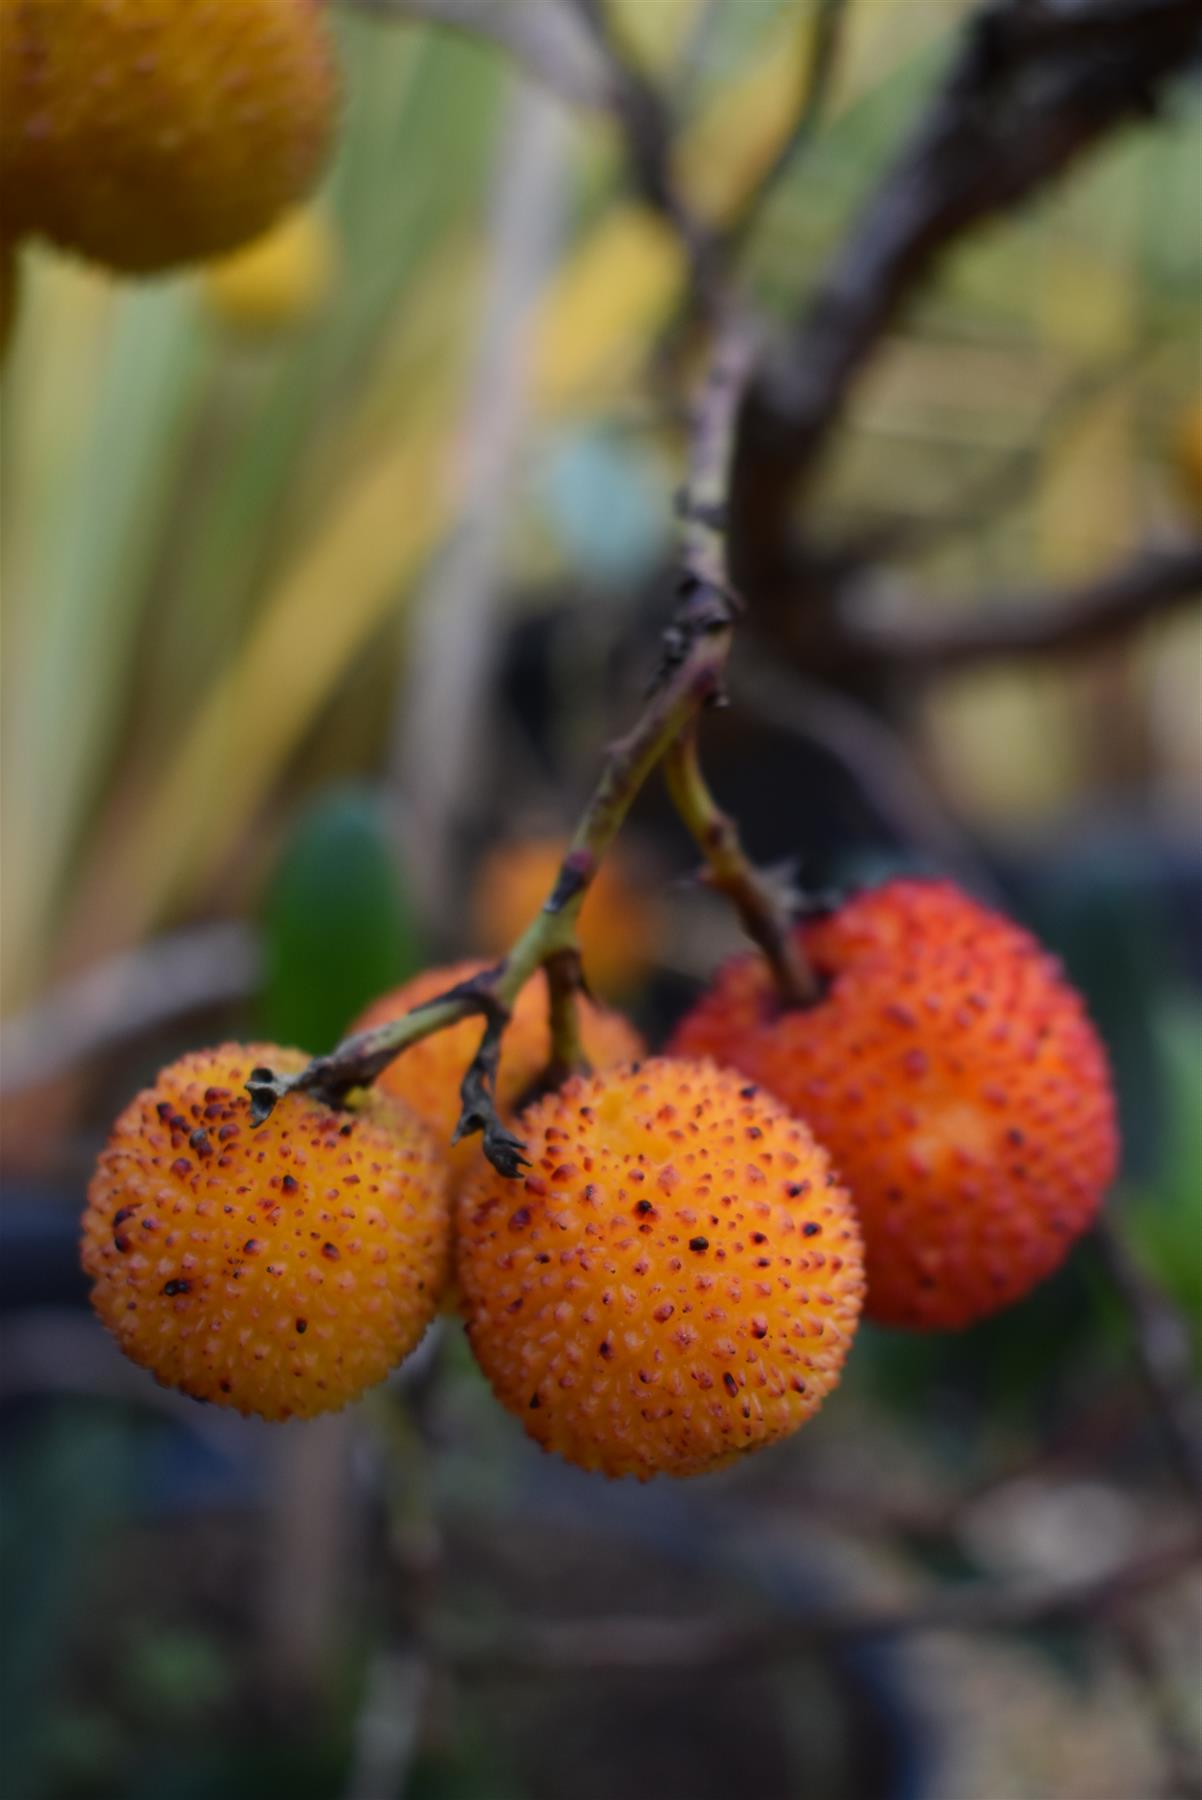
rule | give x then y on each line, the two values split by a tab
302	616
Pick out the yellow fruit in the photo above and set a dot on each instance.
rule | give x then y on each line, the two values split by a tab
675	1282
428	1075
280	1269
279	280
619	926
146	133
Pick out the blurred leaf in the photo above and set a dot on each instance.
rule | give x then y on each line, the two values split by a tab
338	927
81	612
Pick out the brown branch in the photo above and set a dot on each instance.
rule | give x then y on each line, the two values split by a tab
820	44
1034	85
1153	584
696	644
623	1645
646	118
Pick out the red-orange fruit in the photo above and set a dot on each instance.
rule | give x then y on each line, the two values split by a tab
677	1279
280	1269
953	1075
427	1076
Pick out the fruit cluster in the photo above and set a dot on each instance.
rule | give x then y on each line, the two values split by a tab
678	1276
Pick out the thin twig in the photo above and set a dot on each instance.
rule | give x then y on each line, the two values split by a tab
544	40
820	40
646	118
1148	587
689	677
622	1645
1031	88
763	910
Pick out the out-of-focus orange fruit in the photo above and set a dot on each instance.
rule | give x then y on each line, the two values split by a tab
619	923
147	133
281	1269
953	1075
675	1282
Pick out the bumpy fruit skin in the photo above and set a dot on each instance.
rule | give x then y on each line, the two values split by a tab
280	1269
427	1076
619	924
146	133
677	1280
957	1082
278	282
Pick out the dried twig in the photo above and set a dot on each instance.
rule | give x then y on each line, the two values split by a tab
1032	87
645	115
1149	586
689	678
631	1645
820	49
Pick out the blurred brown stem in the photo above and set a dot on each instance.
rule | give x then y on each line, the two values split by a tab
1149	586
1030	88
615	1645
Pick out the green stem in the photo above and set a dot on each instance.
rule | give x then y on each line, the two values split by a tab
565	980
764	914
695	648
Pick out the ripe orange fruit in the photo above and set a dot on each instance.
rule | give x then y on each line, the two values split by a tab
427	1076
677	1280
280	1270
145	133
619	924
957	1082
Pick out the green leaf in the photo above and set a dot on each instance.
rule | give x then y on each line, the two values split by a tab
338	925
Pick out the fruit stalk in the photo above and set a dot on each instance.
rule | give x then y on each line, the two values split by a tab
764	916
696	644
